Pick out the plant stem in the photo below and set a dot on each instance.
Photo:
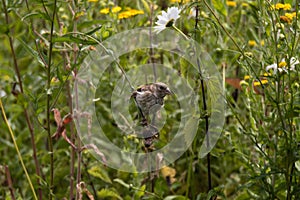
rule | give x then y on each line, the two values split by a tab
205	109
206	126
28	121
17	149
70	102
49	93
184	35
9	182
151	43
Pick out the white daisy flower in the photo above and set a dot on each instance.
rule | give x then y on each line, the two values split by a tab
293	62
283	66
167	19
273	67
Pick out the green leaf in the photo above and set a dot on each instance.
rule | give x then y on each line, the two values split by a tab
98	172
184	67
94	30
297	165
122	182
219	5
34	53
70	38
6	72
4	29
289	2
108	193
176	197
189	127
89	24
141	192
146	6
39	15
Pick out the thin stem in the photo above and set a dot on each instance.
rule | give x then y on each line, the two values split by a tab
70	104
184	35
67	85
17	149
205	110
206	126
151	46
28	121
9	182
75	50
73	151
85	164
50	143
189	160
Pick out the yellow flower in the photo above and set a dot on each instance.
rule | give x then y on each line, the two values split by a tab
251	43
136	12
290	15
54	81
262	43
261	82
249	54
92	0
287	6
267	74
179	1
231	3
245	5
104	11
282	64
116	9
130	13
123	15
169	174
280	6
64	16
247	77
79	14
5	78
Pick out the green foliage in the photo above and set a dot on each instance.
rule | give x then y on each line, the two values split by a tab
105	193
96	171
219	5
257	155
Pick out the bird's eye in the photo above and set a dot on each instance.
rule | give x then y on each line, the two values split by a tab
161	87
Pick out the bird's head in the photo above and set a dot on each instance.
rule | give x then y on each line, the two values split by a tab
162	90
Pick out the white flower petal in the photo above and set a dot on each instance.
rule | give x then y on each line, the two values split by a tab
162	22
273	67
162	18
164	15
172	14
158	29
293	62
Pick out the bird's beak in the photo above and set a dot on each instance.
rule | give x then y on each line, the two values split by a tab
169	92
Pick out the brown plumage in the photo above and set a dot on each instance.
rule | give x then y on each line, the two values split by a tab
150	98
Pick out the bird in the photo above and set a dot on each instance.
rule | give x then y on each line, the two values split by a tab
149	98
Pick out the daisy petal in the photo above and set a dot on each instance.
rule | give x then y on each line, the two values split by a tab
167	18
